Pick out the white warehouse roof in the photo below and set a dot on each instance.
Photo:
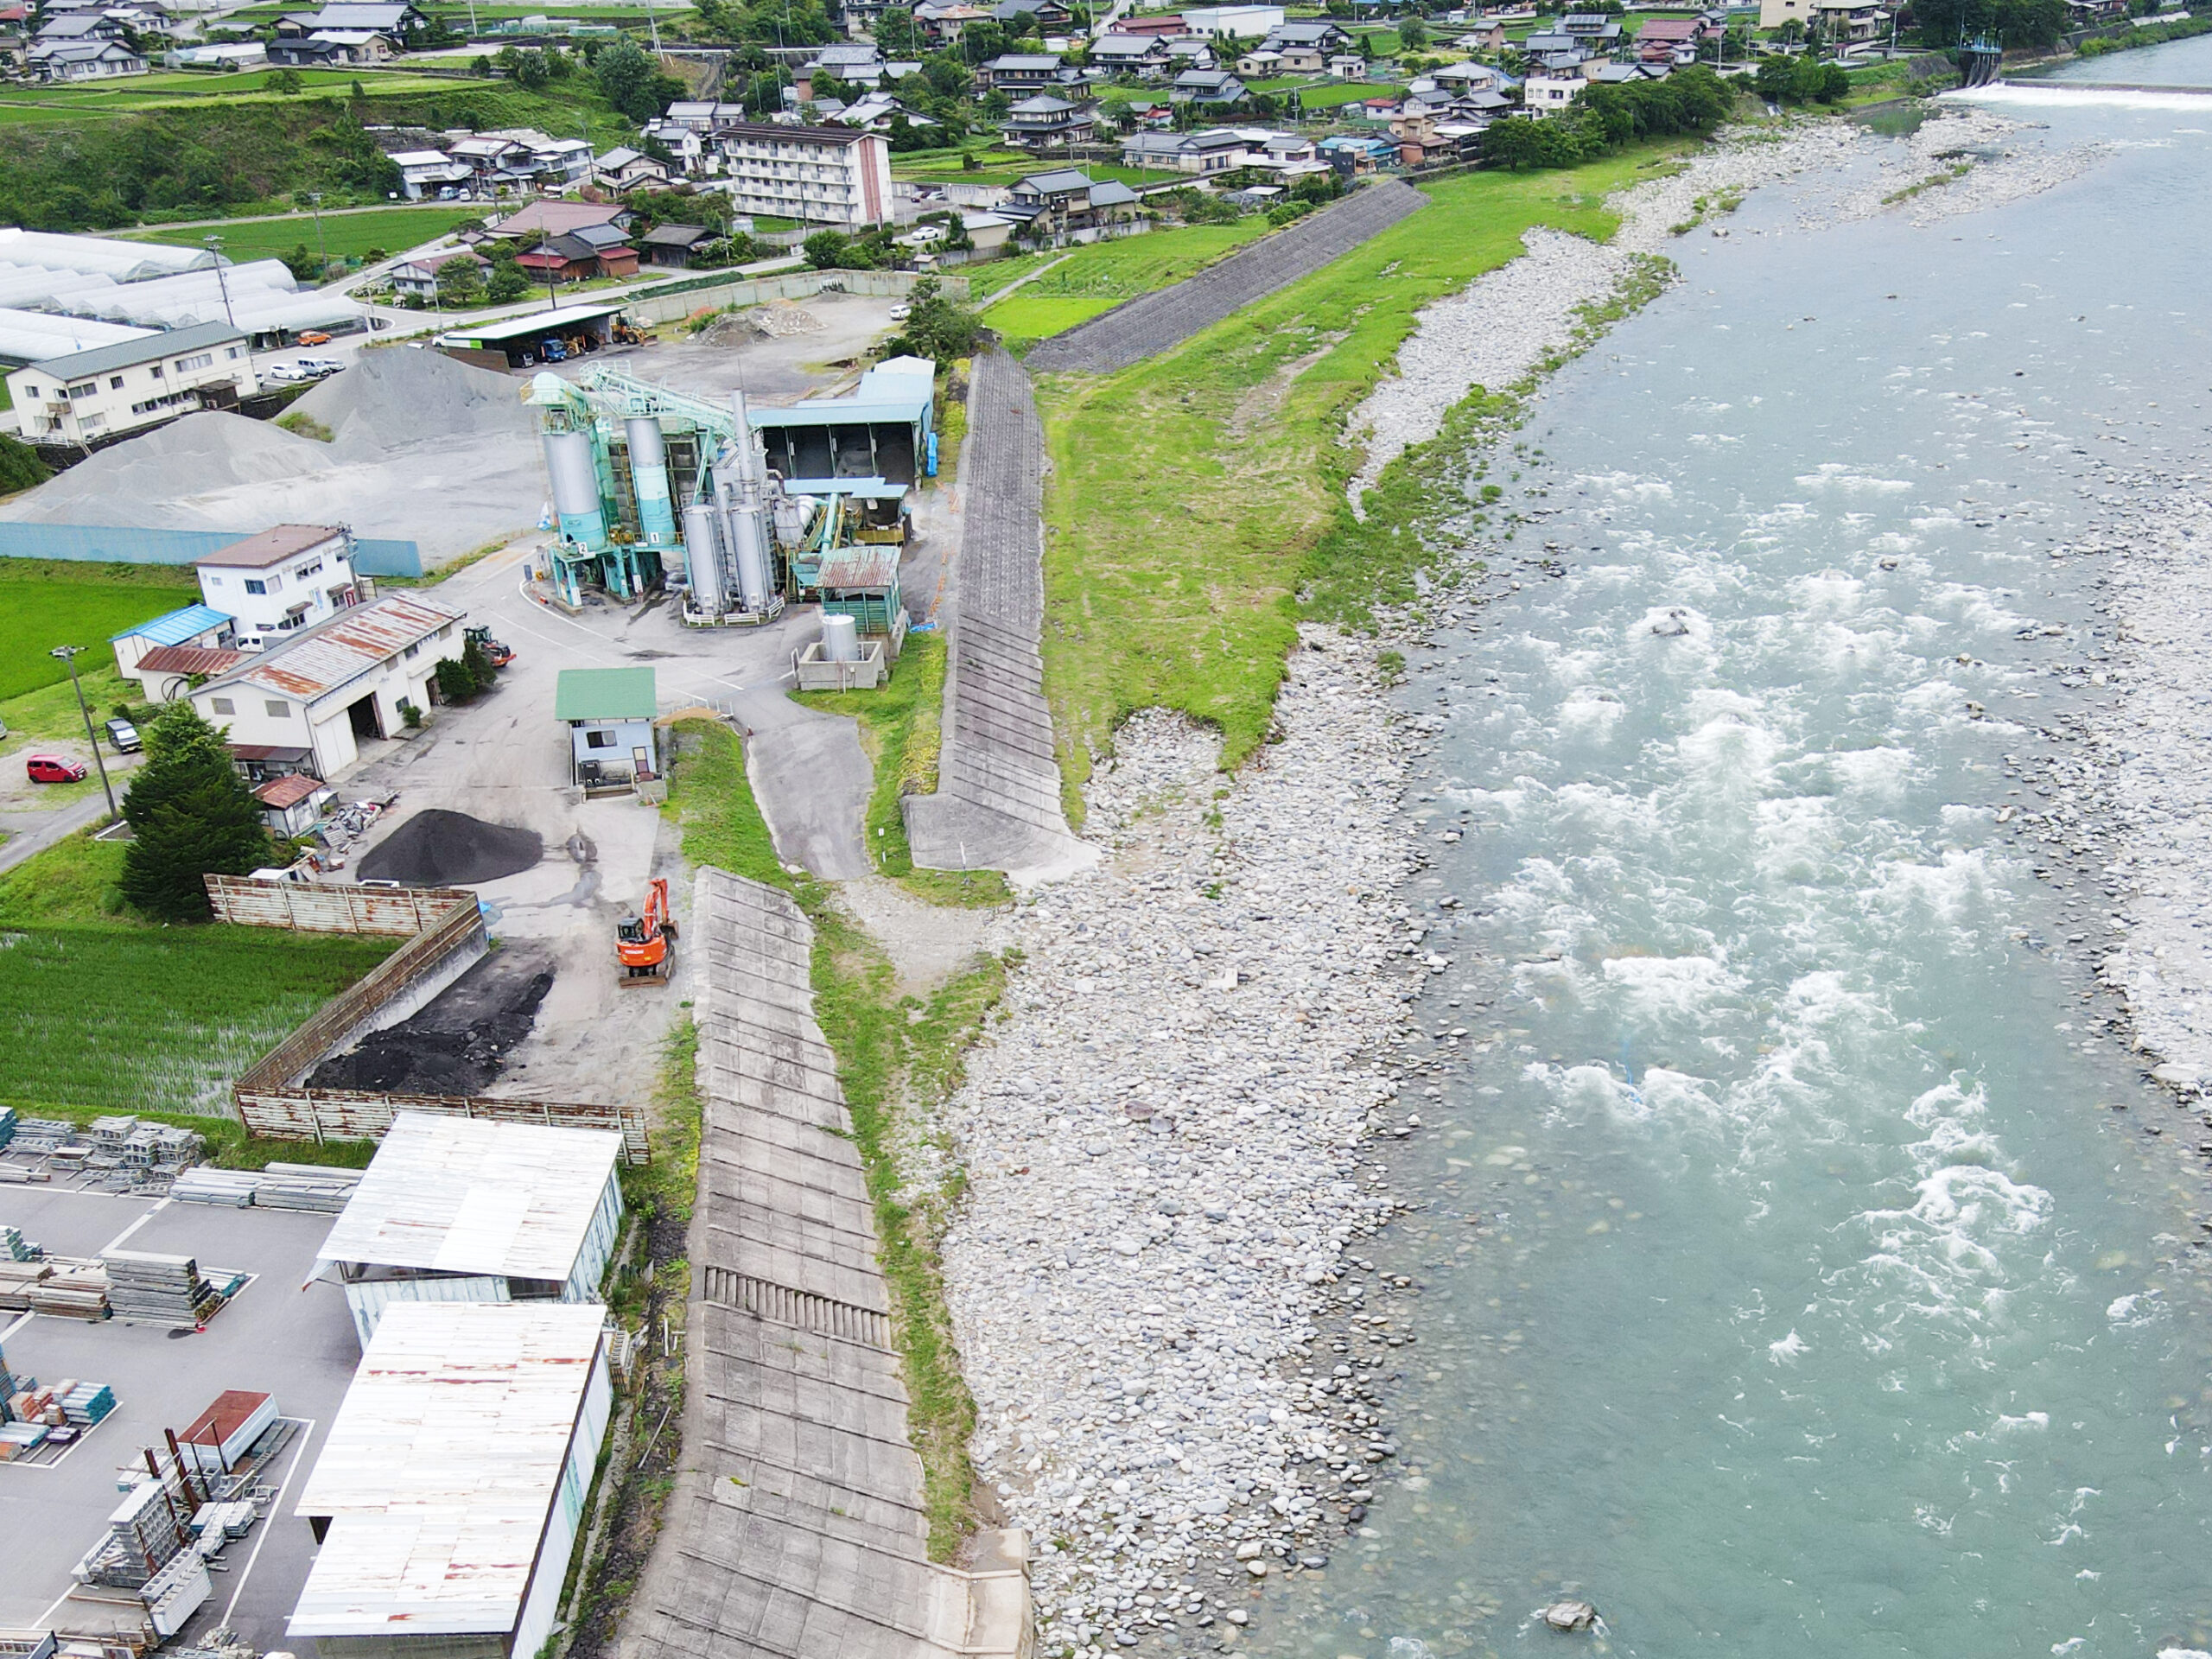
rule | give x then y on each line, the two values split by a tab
460	1195
442	1465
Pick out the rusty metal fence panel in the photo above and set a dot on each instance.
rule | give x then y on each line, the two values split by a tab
280	1113
337	907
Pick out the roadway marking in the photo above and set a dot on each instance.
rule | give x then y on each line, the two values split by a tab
269	1521
115	1244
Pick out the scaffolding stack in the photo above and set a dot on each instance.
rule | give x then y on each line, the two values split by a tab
141	1285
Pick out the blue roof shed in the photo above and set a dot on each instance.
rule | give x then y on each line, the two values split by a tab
177	627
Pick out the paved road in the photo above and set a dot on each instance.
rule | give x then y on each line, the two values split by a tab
33	832
1155	322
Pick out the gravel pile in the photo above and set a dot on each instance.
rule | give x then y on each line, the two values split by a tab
1164	1152
208	450
391	398
438	848
781	320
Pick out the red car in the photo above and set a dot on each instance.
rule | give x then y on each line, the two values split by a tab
52	769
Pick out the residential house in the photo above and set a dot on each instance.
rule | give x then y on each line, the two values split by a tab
417	279
580	256
329	688
560	218
1554	51
1189	54
1212	88
1601	31
1259	63
942	20
330	49
1218	151
288	578
1483	37
396	21
1850	22
1069	205
704	115
89	60
1672	40
1348	66
80	26
1233	22
876	113
1287	155
1165	24
1621	74
1322	37
1142	55
819	175
1302	60
90	397
623	168
1550	94
1044	123
1050	15
1021	73
429	172
1414	129
857	62
1352	154
685	143
484	155
676	244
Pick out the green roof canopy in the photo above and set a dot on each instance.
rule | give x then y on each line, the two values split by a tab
605	694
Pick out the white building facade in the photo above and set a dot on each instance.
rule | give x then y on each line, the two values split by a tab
90	397
288	577
818	175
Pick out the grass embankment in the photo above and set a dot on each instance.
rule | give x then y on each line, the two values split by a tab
100	1012
898	1058
901	729
1073	288
1196	504
344	236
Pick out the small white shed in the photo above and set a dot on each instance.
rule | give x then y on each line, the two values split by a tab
461	1210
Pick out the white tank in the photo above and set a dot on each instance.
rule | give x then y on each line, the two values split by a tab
575	487
703	560
649	474
841	639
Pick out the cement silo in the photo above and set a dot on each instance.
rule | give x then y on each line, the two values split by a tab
702	561
649	474
576	488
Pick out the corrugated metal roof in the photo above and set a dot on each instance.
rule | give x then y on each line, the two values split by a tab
442	1465
458	1195
189	659
174	628
289	790
335	653
145	349
605	694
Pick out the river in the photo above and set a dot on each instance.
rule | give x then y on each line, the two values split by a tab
1797	1277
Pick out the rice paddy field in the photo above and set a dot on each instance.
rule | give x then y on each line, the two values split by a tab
135	94
43	605
1063	290
142	1018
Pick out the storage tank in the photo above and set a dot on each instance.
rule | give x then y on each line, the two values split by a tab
703	560
744	531
576	488
841	639
649	473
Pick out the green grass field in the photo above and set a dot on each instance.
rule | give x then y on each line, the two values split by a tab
136	94
1192	495
344	234
44	605
1025	318
1338	94
98	1010
1099	276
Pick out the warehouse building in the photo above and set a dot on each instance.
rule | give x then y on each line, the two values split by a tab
90	397
884	429
458	1210
449	1497
333	687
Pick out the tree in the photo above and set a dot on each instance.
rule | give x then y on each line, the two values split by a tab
20	466
459	284
288	83
939	326
191	815
631	82
1413	33
533	73
896	37
825	248
509	282
301	264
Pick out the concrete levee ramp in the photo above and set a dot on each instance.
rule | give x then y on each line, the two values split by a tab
1155	323
796	1529
997	805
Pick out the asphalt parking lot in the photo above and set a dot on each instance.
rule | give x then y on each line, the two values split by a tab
297	1344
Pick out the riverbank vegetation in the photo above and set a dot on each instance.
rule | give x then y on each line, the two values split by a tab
1228	450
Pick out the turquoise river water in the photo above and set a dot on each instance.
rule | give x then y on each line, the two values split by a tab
1797	1278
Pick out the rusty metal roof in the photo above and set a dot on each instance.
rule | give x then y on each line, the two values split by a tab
869	568
189	659
443	1465
289	790
338	651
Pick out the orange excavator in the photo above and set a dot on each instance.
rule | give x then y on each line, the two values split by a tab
645	944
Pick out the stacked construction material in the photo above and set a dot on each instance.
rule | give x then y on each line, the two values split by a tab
74	1290
18	1280
17	1438
234	1187
176	1147
13	1246
306	1186
8	1387
7	1126
141	1285
144	1533
36	1136
86	1403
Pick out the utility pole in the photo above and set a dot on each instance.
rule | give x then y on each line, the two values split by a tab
68	655
314	200
216	246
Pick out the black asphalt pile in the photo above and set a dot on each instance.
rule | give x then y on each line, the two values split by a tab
1148	326
439	849
459	1043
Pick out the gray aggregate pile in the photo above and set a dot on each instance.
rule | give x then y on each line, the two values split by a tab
389	399
1154	323
208	450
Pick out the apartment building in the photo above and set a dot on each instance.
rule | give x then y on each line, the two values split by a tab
90	397
819	175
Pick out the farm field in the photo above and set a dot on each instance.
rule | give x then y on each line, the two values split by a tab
345	235
136	94
1337	94
159	1019
44	605
1025	318
1114	271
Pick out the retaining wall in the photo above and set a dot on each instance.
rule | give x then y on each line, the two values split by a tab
139	544
683	298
